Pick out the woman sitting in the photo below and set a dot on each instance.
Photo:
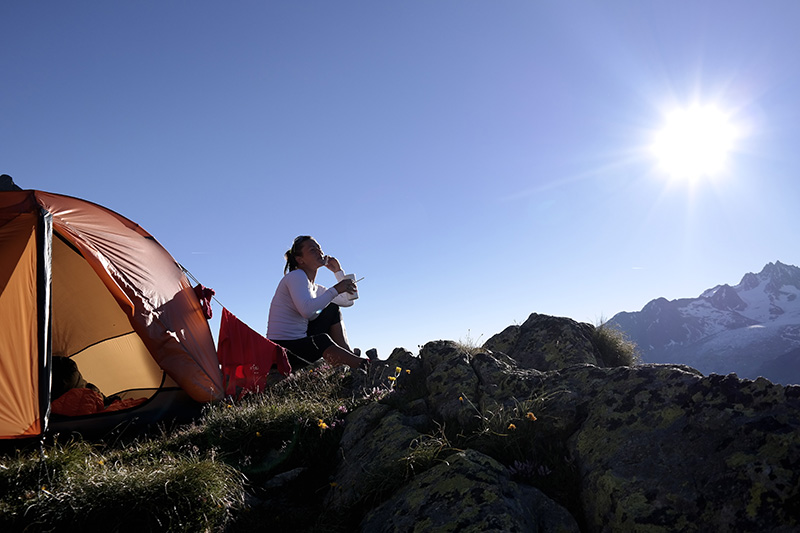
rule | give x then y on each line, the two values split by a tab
304	317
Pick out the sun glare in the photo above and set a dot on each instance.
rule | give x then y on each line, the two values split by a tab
694	142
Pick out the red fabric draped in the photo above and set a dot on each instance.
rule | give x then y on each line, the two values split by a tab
247	356
204	294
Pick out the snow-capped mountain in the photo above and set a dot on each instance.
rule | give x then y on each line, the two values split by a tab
752	329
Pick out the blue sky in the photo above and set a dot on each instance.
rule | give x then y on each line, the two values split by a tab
476	161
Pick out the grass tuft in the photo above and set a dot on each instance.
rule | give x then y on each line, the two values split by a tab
521	437
470	345
77	485
615	348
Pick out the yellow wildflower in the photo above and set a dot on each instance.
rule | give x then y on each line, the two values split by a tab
512	427
408	370
461	399
530	416
258	433
322	425
397	369
392	378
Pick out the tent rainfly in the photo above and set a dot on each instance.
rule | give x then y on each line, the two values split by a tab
81	281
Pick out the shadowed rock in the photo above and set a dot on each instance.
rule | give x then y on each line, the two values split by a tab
7	184
471	492
643	448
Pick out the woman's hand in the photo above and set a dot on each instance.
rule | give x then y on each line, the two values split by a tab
346	285
332	263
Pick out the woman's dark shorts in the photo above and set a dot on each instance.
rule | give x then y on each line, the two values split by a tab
304	351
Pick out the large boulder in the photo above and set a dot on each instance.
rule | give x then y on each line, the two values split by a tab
662	448
555	442
547	343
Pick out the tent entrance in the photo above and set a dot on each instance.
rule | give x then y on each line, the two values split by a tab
89	326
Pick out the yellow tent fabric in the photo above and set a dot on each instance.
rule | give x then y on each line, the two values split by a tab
19	346
121	307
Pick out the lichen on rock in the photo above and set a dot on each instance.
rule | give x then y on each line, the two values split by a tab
471	492
629	448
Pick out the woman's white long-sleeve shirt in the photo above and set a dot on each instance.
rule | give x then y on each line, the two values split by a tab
297	301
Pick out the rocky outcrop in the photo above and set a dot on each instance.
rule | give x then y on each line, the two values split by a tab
547	343
534	432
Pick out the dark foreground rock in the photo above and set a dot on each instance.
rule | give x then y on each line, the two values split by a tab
544	436
469	492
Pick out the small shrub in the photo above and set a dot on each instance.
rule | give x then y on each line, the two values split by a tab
615	348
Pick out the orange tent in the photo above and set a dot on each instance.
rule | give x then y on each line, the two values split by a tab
79	280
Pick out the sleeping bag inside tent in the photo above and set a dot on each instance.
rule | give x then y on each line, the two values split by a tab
82	282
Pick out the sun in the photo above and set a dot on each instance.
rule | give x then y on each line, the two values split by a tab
694	142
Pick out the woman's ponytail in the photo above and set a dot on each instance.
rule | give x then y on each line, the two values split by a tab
291	262
292	253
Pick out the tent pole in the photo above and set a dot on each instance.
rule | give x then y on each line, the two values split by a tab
45	284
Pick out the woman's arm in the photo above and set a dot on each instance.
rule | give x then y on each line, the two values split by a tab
333	265
306	304
342	299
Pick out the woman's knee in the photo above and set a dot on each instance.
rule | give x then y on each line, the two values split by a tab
327	318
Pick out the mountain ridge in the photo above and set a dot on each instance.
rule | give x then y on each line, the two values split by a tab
751	328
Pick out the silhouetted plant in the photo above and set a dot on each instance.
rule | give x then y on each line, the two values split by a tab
615	348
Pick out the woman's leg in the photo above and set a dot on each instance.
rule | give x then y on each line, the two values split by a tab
339	335
329	322
336	355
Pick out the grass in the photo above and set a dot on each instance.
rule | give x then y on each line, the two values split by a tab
216	475
524	438
76	485
423	453
470	345
192	478
615	348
